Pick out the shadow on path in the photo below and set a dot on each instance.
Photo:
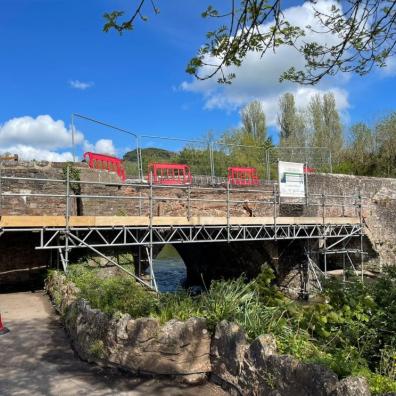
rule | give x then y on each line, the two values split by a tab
36	359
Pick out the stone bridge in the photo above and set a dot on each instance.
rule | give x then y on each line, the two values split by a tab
250	226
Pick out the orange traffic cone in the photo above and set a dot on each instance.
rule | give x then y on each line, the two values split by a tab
3	330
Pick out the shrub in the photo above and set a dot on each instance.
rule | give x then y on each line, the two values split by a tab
113	294
352	330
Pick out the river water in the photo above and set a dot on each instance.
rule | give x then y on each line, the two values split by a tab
169	270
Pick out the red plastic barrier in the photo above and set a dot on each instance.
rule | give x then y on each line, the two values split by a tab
106	162
169	174
238	176
307	169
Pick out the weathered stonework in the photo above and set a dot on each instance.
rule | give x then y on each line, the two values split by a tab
185	350
256	369
143	345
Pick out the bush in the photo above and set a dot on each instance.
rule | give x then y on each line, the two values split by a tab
352	330
113	294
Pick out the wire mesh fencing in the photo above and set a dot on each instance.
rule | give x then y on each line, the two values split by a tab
227	155
317	159
194	153
91	135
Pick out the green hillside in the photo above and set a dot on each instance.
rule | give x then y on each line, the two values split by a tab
153	153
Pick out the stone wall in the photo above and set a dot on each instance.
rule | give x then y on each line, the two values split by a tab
379	207
128	200
142	345
186	350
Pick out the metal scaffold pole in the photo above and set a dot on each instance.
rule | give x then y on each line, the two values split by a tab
324	234
361	238
274	208
153	282
189	202
73	138
211	159
1	195
65	260
228	211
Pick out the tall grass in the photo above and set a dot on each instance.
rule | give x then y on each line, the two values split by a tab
114	294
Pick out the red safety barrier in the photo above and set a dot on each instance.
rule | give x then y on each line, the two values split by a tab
105	162
238	176
169	174
307	169
3	329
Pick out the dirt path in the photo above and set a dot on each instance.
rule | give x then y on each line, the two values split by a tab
36	359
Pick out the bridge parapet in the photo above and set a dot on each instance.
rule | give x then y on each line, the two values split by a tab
40	189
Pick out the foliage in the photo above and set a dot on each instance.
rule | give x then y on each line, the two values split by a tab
149	154
371	151
113	294
254	122
351	328
365	32
367	151
74	174
291	122
97	349
324	122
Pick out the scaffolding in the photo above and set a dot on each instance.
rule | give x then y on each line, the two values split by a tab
331	235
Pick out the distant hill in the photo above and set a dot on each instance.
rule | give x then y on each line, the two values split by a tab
151	153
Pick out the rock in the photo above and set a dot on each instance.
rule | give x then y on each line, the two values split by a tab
257	369
173	349
184	350
352	386
228	348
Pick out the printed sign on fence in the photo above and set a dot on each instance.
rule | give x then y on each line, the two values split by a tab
291	179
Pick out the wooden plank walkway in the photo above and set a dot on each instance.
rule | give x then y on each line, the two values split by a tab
109	221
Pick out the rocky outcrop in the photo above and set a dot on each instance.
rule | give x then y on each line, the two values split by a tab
257	369
177	348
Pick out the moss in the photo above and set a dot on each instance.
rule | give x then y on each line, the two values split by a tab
97	349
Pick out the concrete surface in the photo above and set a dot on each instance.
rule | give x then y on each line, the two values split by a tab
36	359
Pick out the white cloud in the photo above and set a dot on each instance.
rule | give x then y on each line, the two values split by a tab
390	69
258	78
28	153
43	138
81	85
102	146
42	132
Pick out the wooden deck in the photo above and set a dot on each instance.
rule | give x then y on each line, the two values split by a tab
109	221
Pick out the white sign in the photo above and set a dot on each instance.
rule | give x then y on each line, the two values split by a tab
291	179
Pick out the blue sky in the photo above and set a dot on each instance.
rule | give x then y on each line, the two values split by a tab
138	81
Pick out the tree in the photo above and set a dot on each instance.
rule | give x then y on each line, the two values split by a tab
326	124
362	143
386	145
363	34
253	120
358	157
332	126
292	128
315	114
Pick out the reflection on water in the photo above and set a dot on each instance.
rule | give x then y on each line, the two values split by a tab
169	270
